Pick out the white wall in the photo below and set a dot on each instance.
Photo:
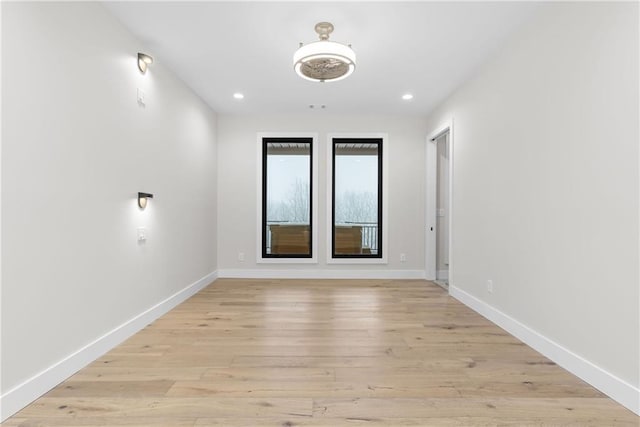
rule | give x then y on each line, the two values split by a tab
76	149
237	193
546	184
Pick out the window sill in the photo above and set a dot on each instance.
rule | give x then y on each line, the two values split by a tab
261	260
355	261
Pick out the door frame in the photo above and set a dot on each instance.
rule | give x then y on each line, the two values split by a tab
431	202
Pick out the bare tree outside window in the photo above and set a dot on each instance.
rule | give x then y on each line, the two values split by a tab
296	206
360	207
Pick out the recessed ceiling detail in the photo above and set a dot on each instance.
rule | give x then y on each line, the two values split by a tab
324	60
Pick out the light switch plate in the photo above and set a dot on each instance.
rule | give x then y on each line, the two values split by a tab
142	234
140	96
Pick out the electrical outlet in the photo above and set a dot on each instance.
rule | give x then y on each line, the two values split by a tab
403	257
490	286
241	256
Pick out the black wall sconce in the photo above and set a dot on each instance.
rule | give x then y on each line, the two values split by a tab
142	199
143	61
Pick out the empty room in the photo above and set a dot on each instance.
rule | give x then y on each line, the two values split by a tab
307	213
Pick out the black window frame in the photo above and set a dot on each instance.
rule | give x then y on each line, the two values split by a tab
299	140
334	142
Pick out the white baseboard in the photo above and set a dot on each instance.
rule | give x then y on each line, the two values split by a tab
614	387
23	394
321	274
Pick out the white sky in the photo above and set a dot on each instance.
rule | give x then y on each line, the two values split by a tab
357	174
282	172
353	173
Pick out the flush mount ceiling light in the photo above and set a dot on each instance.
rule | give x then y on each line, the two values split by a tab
324	61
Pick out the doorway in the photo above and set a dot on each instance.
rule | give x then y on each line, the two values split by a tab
438	218
442	210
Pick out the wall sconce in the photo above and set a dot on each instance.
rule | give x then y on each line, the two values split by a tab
143	61
142	199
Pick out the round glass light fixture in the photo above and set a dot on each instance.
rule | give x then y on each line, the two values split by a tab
407	96
324	61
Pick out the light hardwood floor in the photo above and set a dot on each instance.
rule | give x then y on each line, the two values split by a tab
323	353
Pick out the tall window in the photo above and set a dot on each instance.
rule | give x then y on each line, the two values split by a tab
286	197
357	198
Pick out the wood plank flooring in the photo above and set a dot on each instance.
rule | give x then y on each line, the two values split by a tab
323	353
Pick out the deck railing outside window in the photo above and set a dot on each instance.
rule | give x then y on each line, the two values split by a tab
369	233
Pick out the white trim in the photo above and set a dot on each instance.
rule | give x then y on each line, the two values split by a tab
23	394
443	275
385	198
614	387
431	154
1	116
314	198
322	274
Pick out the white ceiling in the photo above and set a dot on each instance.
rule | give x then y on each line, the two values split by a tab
424	48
